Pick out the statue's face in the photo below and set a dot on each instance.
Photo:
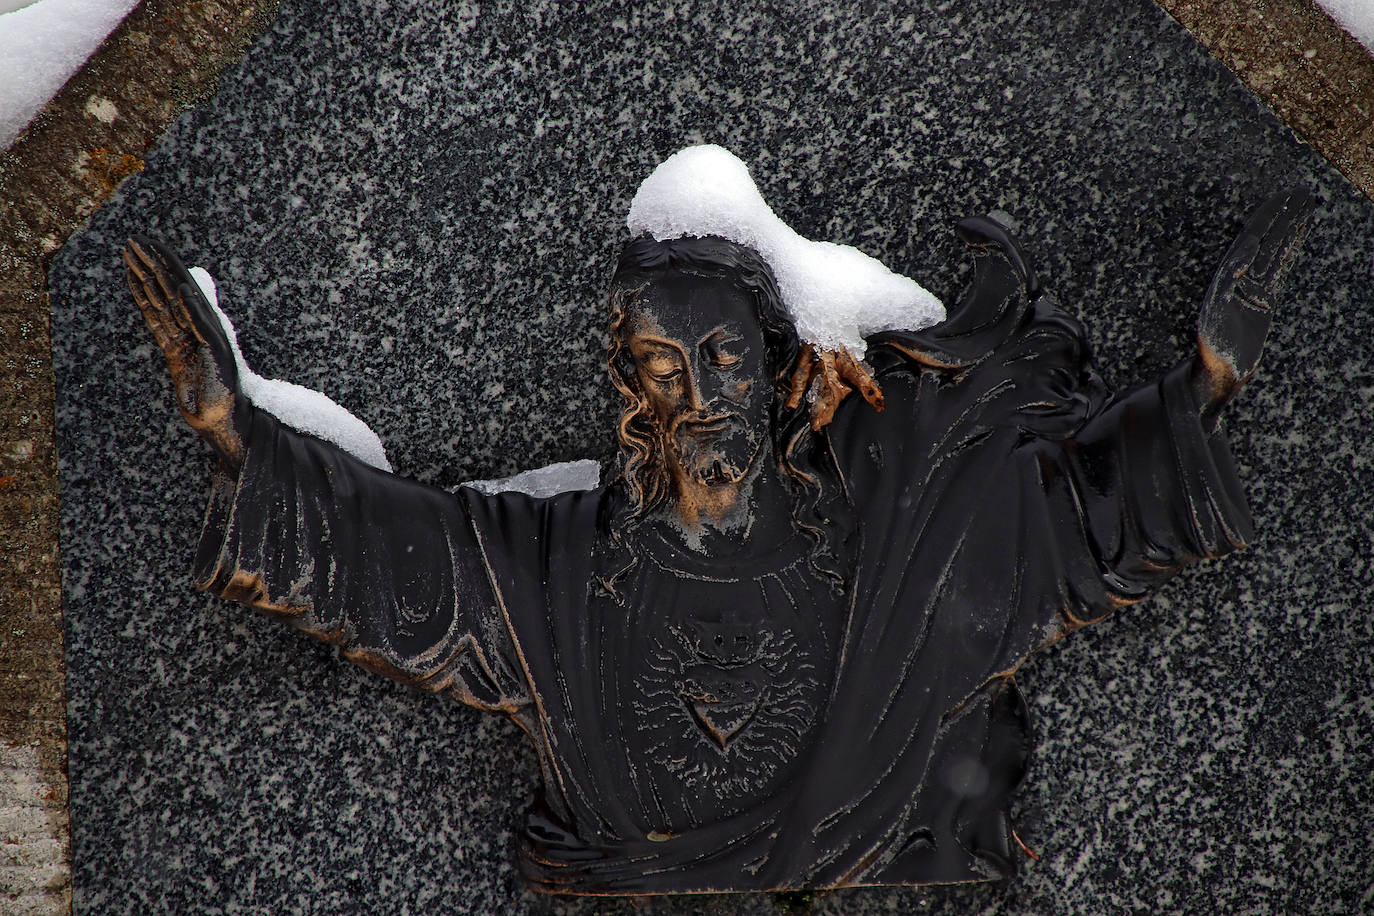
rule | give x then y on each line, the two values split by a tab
699	356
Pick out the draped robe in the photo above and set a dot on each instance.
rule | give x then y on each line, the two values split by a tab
1003	499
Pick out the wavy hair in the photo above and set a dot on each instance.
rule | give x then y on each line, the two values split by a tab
819	502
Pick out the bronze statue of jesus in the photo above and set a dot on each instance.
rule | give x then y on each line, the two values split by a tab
777	650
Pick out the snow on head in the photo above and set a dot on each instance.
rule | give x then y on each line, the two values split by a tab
837	295
300	408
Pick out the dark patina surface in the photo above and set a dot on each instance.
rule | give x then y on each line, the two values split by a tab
1228	776
777	651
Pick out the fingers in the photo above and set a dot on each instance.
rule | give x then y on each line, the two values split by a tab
1279	227
834	375
146	262
1239	306
856	375
157	291
832	393
181	318
153	308
164	313
801	376
1258	262
199	353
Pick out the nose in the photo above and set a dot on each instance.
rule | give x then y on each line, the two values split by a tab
704	386
697	385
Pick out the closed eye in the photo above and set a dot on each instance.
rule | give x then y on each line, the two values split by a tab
713	350
660	364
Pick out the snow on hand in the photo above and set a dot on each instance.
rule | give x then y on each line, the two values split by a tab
300	408
312	412
836	294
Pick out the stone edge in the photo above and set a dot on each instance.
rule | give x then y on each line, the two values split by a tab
1302	65
164	58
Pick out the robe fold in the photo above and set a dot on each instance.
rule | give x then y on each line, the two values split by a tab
1002	500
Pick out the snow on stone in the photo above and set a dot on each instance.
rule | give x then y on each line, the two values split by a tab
550	480
1355	16
837	294
41	45
300	408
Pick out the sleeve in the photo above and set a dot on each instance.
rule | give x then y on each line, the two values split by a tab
1151	489
385	568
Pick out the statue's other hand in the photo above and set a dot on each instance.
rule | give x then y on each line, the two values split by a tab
199	355
1239	305
833	374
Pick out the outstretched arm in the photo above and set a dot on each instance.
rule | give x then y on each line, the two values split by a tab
387	569
1239	305
1151	481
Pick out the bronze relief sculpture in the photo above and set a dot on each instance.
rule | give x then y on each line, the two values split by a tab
777	649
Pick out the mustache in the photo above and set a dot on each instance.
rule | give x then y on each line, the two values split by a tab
713	445
710	420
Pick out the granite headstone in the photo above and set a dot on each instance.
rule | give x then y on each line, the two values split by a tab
415	208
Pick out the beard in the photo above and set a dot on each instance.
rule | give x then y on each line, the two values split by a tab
720	452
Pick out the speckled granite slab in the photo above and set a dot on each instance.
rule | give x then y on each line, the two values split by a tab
415	207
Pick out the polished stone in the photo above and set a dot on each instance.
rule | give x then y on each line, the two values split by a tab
415	207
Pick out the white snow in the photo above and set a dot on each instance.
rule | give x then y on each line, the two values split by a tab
1355	16
301	408
837	294
41	45
550	480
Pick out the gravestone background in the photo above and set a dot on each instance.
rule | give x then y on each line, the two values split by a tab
416	207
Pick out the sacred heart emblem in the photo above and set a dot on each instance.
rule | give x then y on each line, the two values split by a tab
726	685
722	720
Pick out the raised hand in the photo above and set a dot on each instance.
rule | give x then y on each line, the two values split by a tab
836	373
199	355
1238	308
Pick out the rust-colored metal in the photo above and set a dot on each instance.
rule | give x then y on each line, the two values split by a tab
828	376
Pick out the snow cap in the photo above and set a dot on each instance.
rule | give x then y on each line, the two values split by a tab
836	294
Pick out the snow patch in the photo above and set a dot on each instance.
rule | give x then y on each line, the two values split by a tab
1355	16
41	46
300	408
550	480
837	294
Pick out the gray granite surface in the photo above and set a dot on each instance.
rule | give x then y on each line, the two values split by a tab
415	207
